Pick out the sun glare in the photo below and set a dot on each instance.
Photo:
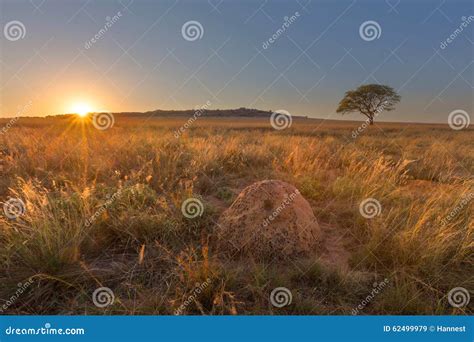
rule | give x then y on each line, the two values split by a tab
81	109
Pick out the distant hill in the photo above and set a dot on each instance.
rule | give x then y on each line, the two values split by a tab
202	112
240	112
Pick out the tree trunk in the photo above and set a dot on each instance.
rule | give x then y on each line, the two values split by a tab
371	120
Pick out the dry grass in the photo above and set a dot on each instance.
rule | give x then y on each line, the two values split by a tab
151	256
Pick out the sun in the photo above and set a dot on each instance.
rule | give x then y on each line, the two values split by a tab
81	109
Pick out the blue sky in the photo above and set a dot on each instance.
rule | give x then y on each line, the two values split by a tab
142	62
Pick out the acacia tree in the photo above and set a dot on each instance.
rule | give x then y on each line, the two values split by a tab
369	100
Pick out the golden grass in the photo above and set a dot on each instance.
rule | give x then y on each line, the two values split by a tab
151	256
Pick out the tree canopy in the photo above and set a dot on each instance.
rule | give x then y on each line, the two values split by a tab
369	100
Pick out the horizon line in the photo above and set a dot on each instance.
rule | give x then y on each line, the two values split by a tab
298	117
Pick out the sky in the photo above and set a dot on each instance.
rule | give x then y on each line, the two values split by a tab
58	56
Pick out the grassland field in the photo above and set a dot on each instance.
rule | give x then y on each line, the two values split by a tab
137	174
